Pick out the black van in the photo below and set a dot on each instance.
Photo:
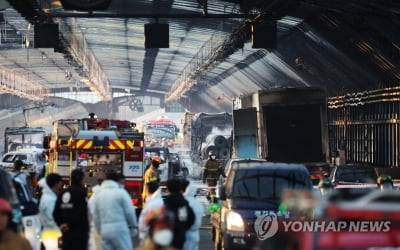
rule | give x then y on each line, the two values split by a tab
250	190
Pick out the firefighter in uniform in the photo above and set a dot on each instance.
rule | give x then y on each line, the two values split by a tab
325	185
211	172
151	174
385	182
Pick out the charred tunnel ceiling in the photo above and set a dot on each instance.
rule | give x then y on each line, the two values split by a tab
341	46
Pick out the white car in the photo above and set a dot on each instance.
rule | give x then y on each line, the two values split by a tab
32	157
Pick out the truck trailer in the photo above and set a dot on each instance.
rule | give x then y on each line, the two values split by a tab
211	132
283	125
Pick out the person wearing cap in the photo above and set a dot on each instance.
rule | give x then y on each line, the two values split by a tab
153	201
151	174
385	182
160	222
71	214
114	215
10	239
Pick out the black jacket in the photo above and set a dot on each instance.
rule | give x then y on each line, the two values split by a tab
184	217
71	208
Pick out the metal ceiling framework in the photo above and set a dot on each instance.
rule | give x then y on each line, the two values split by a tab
115	60
213	53
217	53
343	50
75	44
92	72
357	8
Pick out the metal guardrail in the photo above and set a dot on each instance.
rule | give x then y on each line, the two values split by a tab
15	84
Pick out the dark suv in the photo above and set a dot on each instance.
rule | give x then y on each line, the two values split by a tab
353	176
234	162
252	189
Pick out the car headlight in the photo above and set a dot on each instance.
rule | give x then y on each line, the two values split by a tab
234	221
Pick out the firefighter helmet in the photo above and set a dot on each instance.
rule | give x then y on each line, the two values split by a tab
156	159
325	183
384	178
212	155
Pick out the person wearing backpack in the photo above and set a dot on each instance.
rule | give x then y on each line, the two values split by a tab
183	213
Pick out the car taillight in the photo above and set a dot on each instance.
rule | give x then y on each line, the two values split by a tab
135	201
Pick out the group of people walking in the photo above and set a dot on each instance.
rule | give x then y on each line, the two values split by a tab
108	219
109	211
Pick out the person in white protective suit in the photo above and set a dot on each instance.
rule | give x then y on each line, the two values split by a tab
51	186
193	234
153	201
94	239
114	215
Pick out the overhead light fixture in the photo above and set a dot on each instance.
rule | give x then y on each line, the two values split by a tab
88	5
46	35
156	35
264	34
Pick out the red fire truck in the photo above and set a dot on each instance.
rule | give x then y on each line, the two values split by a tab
95	146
